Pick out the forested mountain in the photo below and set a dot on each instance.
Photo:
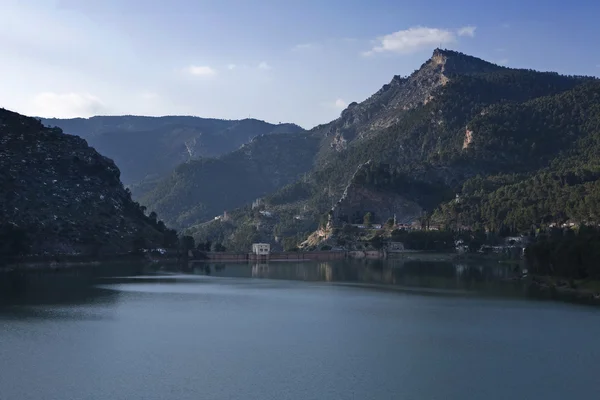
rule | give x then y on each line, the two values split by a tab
151	147
202	189
454	119
60	196
548	151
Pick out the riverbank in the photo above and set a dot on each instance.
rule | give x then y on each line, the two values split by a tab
54	263
553	288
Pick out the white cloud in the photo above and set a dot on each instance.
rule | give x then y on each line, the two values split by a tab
417	38
411	40
264	66
201	70
231	67
467	31
66	105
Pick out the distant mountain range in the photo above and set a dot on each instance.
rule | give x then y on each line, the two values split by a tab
150	147
461	142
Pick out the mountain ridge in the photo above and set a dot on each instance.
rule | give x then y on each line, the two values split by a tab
150	147
425	134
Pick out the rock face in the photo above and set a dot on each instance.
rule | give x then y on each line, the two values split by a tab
388	105
64	195
151	147
382	205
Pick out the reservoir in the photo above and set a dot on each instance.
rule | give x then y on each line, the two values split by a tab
297	331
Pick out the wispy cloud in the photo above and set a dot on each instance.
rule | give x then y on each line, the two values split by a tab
66	105
264	66
305	46
467	31
502	61
201	70
417	38
231	67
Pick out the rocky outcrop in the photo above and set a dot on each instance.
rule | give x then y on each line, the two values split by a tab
359	199
65	196
468	138
385	108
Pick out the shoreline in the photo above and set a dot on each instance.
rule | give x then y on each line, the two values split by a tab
555	288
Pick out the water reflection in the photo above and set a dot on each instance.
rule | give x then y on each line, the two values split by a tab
406	273
85	285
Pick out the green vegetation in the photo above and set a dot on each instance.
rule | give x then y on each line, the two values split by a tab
202	189
566	253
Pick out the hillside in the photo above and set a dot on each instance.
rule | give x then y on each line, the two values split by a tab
201	189
60	196
151	147
425	135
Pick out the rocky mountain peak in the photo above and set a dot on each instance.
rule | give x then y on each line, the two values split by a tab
384	108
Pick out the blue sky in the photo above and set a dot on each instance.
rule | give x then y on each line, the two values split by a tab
277	60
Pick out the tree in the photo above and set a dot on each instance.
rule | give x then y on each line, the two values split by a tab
139	244
323	220
290	243
377	242
170	239
217	247
368	219
153	217
14	241
187	243
390	223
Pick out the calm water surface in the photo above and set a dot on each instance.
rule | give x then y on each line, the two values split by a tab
311	331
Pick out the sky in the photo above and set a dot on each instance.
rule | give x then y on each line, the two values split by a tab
299	61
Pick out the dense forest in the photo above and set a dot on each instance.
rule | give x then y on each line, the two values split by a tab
566	253
202	189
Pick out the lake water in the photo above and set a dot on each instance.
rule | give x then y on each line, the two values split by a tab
361	330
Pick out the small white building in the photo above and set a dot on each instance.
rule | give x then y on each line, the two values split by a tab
261	249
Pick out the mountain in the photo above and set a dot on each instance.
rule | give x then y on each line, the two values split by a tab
204	188
61	196
420	139
151	147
